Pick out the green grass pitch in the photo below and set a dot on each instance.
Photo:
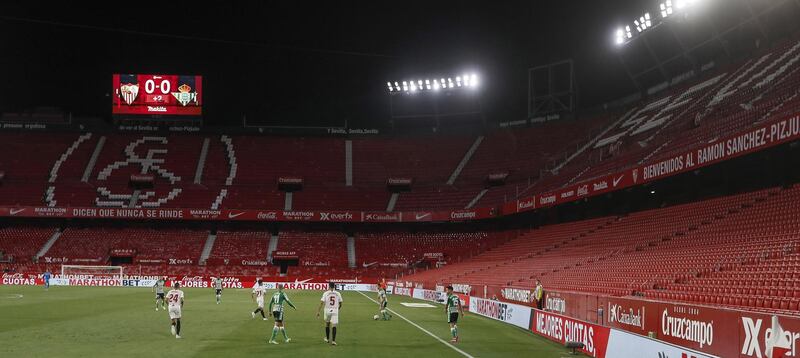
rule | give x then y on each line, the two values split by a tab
122	322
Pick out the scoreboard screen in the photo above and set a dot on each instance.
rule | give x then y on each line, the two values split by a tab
157	94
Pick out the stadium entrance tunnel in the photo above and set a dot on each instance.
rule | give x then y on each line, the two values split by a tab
285	262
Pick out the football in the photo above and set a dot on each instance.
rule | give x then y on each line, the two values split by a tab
375	317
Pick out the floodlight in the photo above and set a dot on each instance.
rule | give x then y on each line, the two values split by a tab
628	32
428	84
666	9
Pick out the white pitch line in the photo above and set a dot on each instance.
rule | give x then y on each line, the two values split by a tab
465	354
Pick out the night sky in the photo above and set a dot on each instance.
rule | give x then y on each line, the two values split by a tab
303	62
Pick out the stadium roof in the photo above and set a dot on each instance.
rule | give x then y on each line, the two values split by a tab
293	63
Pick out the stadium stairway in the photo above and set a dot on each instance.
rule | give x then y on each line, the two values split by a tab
467	156
208	247
351	252
47	245
87	173
201	162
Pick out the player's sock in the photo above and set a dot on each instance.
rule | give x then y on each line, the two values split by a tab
328	333
283	330
334	334
262	314
178	327
274	333
455	331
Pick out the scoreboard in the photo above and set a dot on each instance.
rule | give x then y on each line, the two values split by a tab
174	95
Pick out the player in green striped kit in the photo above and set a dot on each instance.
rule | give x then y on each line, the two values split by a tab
279	298
218	288
453	309
383	301
158	287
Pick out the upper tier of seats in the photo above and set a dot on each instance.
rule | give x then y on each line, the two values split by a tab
219	171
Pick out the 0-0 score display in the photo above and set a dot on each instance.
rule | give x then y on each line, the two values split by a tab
157	94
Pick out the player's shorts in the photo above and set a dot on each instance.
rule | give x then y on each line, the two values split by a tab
219	291
160	296
332	316
452	317
174	312
260	302
278	315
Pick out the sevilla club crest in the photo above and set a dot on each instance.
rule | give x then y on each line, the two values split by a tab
128	92
128	88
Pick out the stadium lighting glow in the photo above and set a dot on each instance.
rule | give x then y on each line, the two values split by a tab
666	9
643	23
620	37
463	80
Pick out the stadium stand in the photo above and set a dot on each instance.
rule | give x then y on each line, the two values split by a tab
94	245
19	244
739	250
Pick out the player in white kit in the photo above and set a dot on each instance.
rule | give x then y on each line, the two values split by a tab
259	291
175	301
332	301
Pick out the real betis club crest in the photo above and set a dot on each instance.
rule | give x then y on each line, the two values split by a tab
184	96
128	92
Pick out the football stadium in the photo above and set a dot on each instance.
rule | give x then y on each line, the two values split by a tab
613	179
